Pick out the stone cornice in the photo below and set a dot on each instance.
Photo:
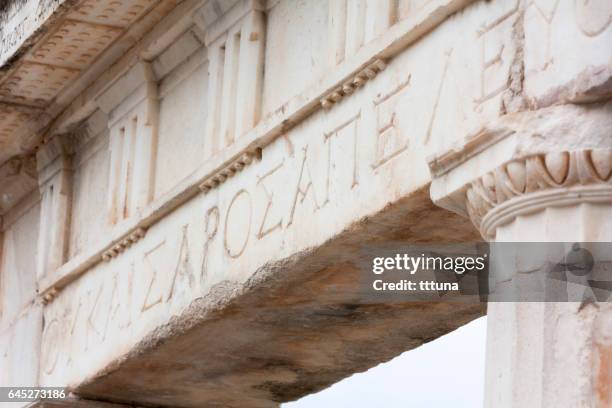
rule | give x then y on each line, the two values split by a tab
27	124
51	52
170	23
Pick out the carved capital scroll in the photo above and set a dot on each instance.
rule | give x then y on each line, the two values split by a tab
535	182
525	163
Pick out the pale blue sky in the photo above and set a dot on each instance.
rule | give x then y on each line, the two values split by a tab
447	372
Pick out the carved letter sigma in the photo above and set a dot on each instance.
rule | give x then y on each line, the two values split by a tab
264	229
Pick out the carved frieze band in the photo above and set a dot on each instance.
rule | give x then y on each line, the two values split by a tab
490	198
356	82
245	35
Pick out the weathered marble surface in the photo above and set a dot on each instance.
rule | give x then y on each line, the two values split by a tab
212	170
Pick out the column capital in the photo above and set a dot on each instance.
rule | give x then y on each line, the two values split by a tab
527	162
530	184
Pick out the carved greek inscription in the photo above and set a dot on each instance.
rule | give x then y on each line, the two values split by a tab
124	300
73	327
593	17
347	129
304	189
506	9
154	293
489	63
390	143
266	226
494	67
288	145
211	226
238	224
434	111
51	341
545	11
99	315
183	271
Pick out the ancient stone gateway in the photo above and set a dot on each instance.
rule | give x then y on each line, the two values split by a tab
185	187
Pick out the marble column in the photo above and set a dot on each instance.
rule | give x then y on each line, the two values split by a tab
540	176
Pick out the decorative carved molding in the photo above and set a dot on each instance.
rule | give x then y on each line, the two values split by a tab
369	72
131	238
50	286
48	296
46	48
526	185
230	170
